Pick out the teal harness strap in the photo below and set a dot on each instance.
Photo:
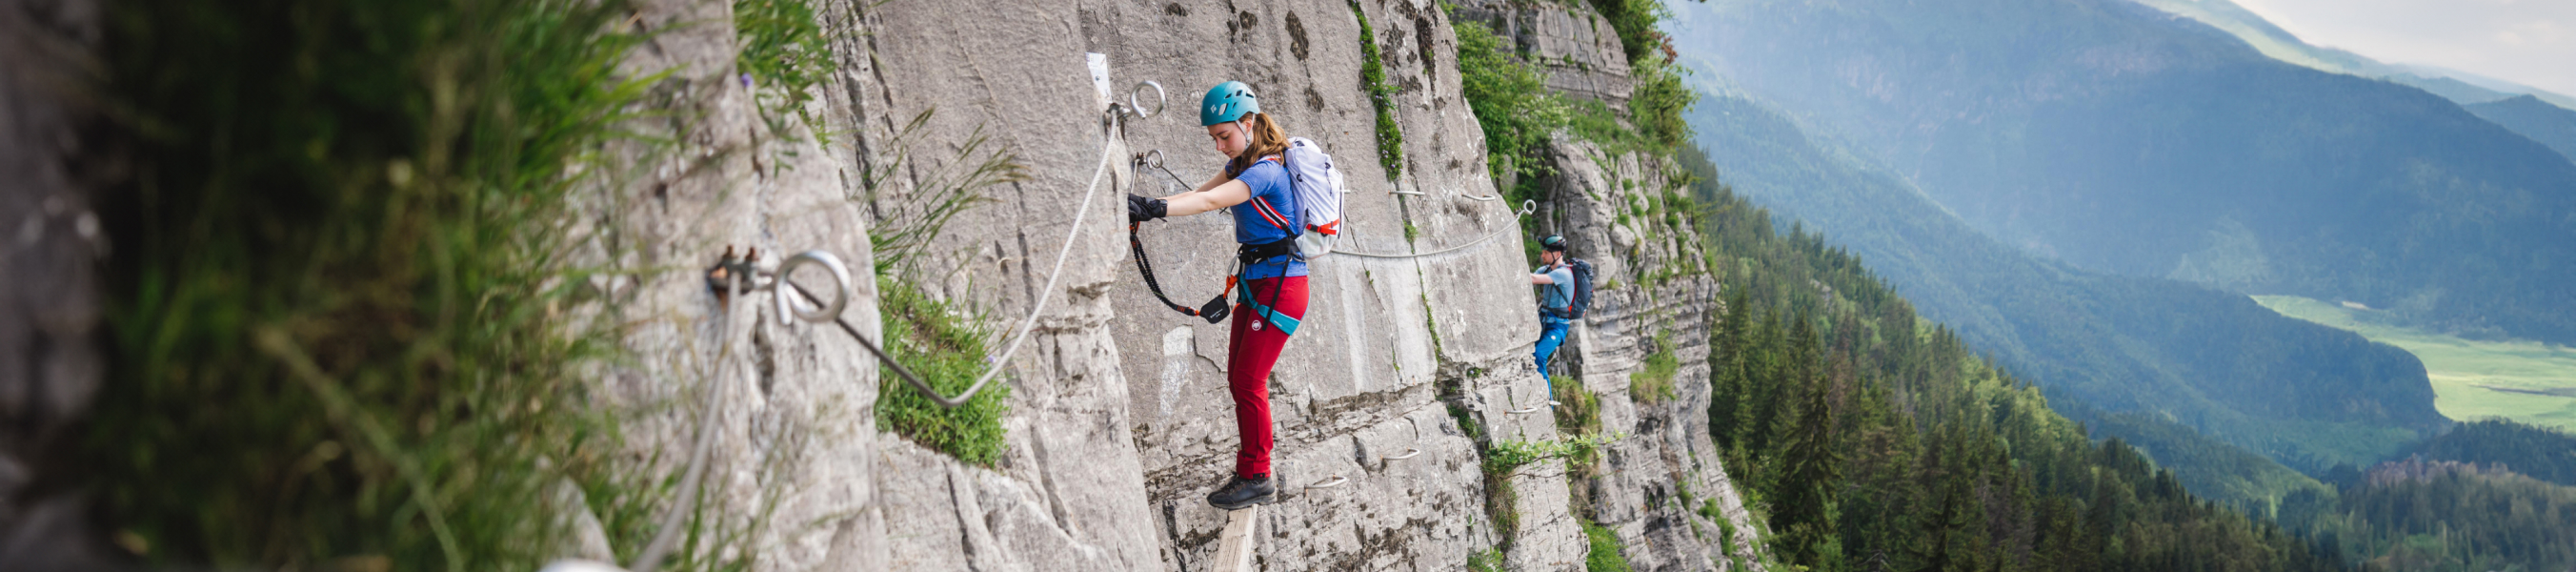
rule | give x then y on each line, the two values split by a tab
1286	325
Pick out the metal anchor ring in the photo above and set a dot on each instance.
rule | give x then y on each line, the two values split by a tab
1161	100
840	287
1336	481
1409	452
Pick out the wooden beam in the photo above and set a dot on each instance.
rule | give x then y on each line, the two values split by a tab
1234	549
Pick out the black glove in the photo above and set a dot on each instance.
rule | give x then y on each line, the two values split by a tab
1141	209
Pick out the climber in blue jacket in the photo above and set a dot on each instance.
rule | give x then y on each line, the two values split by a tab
1256	184
1557	292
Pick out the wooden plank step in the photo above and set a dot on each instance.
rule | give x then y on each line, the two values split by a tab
1234	548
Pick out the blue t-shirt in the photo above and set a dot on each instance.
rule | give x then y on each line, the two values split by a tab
1270	216
1555	296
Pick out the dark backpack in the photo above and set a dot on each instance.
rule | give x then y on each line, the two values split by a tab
1582	299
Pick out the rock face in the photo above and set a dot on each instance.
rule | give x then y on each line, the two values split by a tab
1416	345
1653	302
1574	45
50	302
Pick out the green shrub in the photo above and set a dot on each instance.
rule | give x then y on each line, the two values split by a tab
1512	103
1604	555
340	299
1655	105
1636	21
946	348
1657	102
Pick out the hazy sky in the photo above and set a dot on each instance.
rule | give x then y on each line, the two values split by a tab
2527	41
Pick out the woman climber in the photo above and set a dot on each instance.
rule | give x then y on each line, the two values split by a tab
1272	273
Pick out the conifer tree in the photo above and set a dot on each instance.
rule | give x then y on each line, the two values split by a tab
1726	369
1813	473
1761	382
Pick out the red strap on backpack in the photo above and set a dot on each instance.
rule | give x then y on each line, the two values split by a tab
1271	213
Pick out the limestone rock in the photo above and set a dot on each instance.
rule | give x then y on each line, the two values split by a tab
50	303
1120	421
1575	46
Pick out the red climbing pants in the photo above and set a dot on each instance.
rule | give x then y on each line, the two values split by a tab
1249	353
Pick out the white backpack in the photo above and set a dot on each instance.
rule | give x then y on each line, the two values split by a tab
1319	196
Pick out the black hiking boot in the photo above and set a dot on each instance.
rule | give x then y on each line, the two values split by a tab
1240	492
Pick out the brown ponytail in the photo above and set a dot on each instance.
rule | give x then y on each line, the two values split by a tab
1267	139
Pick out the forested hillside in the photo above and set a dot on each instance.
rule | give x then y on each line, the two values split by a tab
2548	124
2181	358
2443	516
2538	452
2117	137
1877	441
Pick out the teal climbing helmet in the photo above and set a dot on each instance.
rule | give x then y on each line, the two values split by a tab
1226	103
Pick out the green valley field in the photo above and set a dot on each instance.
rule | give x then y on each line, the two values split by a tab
2520	380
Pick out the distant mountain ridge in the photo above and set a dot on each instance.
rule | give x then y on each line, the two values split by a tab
2118	137
2163	352
2550	125
2458	86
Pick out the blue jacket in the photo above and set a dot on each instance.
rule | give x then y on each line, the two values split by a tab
1270	216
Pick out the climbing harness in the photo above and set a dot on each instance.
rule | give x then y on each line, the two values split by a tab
1247	255
1216	309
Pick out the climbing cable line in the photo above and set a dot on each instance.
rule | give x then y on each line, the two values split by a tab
1527	207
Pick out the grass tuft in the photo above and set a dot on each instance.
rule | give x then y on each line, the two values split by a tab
941	191
1654	384
341	302
1502	503
1487	560
787	56
946	348
1507	457
1579	412
941	340
1390	137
